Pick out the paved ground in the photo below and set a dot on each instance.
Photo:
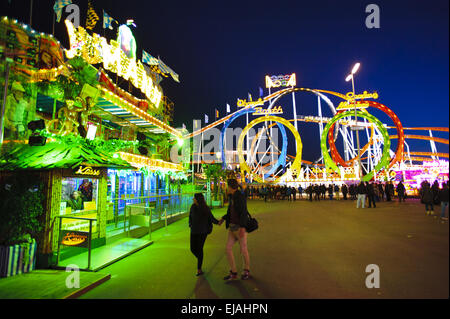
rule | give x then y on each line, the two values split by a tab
48	284
302	250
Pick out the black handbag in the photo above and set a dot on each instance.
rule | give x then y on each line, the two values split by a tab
252	224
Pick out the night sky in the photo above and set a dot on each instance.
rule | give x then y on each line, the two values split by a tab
222	51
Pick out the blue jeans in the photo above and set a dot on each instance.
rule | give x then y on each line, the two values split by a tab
444	205
430	206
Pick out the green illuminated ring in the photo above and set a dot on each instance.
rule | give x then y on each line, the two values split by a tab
385	159
296	166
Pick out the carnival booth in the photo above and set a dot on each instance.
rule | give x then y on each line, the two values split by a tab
92	124
74	179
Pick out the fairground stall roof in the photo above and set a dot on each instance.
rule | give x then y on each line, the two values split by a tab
56	155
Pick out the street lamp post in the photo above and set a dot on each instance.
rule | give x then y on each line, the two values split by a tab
356	128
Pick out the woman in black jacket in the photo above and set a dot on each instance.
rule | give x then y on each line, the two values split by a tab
200	222
426	196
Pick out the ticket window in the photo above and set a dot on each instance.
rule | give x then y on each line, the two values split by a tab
79	196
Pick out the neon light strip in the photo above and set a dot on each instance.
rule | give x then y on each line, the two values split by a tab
153	164
107	95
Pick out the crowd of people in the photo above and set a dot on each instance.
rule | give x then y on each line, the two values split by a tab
366	194
433	195
373	192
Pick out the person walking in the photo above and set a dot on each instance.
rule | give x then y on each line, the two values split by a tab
352	191
361	195
426	196
236	219
386	192
300	192
337	192
265	193
309	191
443	196
288	192
323	190
377	192
201	222
330	191
381	191
317	191
435	190
371	195
294	193
401	190
344	191
389	189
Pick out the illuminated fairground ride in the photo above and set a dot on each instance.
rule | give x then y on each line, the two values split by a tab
261	159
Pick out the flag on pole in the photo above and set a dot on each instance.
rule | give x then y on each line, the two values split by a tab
92	17
249	97
148	59
107	21
206	119
59	5
155	76
228	108
167	70
261	92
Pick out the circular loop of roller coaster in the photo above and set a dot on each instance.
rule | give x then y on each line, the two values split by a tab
330	134
298	158
384	162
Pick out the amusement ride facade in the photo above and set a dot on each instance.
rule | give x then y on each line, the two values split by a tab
380	159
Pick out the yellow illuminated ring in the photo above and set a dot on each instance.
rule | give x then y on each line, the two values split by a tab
296	166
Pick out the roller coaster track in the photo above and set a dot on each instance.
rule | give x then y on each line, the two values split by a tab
421	159
421	137
439	129
429	154
262	101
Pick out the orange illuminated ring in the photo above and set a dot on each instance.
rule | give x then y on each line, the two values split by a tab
400	146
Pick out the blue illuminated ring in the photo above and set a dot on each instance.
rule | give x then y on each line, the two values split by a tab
281	160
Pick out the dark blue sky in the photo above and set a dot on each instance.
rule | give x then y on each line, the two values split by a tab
222	50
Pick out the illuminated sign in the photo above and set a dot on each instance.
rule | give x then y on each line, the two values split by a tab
87	171
95	49
126	41
317	119
275	110
352	106
382	174
276	81
366	95
317	170
74	238
244	103
349	173
441	163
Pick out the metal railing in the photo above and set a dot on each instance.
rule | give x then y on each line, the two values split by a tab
75	233
155	208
